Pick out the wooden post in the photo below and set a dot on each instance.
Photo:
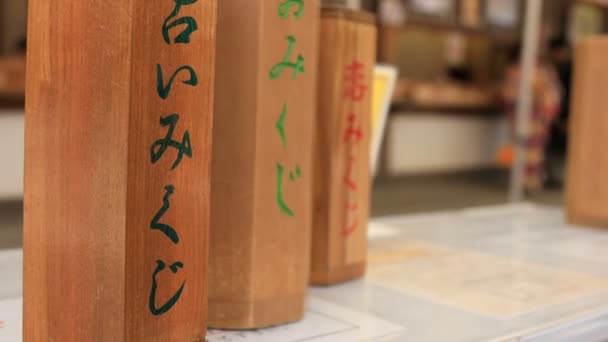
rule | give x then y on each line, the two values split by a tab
587	184
262	165
342	173
118	125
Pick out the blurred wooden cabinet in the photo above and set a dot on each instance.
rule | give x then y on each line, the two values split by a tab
13	23
12	77
587	195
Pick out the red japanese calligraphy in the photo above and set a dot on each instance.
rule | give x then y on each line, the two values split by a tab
355	90
355	78
353	134
349	180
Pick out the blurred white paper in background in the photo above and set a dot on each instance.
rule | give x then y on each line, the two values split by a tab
503	13
443	8
391	12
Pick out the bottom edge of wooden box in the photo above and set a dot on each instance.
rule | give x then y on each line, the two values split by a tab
337	275
590	221
255	314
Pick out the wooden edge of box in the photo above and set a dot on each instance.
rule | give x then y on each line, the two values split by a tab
574	213
338	275
255	314
586	221
359	16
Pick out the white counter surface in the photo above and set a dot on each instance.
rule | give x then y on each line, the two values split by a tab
509	273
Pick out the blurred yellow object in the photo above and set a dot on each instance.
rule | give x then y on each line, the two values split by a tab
506	156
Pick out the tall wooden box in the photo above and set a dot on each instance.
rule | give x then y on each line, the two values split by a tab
587	184
117	175
262	162
342	174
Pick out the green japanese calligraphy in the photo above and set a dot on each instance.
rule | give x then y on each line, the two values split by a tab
286	6
293	176
191	25
164	228
280	196
156	311
281	125
164	90
160	146
298	67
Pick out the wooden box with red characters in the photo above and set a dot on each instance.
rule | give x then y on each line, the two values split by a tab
342	145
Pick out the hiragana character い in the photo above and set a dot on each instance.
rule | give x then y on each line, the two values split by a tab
298	67
160	146
293	176
355	87
164	90
353	134
160	266
286	6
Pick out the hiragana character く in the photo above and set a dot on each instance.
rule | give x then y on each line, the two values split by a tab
165	228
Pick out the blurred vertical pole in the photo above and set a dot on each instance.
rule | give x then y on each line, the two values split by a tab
525	98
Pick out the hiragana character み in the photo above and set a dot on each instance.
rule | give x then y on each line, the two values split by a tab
160	146
298	67
353	134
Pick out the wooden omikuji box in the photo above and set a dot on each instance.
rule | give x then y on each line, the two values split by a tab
342	146
587	183
117	176
262	162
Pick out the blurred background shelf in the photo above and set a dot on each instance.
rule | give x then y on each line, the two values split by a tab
12	81
444	95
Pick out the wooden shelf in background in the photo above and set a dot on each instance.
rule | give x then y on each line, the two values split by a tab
12	78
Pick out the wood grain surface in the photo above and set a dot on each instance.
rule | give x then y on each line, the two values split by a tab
587	184
262	165
342	146
93	190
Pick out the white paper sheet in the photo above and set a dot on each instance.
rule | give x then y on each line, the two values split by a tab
324	322
10	320
11	274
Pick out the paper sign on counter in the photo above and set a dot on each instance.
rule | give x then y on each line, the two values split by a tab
324	322
484	284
